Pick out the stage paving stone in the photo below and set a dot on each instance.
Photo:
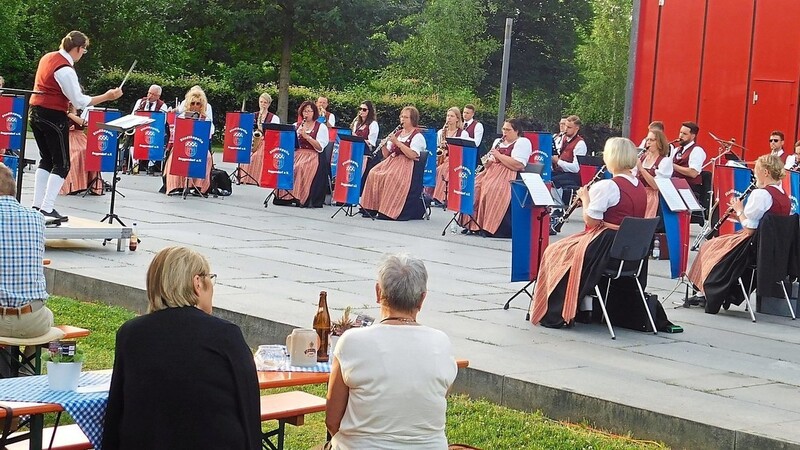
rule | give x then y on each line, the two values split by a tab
723	370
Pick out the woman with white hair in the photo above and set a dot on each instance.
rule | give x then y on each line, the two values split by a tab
182	377
389	382
571	267
264	116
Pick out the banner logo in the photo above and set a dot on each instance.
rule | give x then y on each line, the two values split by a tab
278	158
351	171
238	138
190	148
12	123
102	142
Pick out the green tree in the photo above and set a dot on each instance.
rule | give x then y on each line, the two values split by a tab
13	62
603	63
448	48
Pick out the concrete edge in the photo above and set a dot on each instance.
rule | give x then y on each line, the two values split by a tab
558	404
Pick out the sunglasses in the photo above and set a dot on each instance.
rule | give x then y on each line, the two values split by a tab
774	140
363	109
195	103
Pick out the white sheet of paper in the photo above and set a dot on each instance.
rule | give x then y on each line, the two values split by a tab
130	121
539	192
670	194
688	198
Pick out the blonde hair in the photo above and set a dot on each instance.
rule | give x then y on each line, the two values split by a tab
774	166
170	278
457	112
195	94
266	97
619	154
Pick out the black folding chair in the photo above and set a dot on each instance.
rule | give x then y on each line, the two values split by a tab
628	253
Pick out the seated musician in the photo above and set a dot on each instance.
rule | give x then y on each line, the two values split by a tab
572	267
195	106
508	156
722	255
366	125
78	179
687	162
566	170
654	163
388	184
252	171
453	127
310	168
793	160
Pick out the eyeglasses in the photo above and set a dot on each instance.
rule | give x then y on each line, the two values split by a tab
364	109
210	276
774	140
85	50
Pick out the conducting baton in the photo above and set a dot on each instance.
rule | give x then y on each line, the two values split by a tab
128	74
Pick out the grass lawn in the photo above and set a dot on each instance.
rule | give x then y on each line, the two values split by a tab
475	422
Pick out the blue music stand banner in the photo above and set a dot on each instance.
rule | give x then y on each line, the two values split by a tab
340	131
429	174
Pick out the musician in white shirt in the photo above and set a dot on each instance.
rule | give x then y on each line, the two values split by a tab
325	117
793	160
472	126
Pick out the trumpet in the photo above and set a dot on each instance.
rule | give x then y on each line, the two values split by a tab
706	234
576	201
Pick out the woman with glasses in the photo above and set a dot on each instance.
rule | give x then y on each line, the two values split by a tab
653	163
58	82
509	156
194	106
390	191
182	377
311	168
366	125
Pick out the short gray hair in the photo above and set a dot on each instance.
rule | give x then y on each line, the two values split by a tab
403	280
157	88
8	186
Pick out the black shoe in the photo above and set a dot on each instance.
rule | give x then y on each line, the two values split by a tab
465	231
694	300
54	216
150	171
583	317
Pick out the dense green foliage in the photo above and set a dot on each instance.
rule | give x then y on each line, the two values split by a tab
565	56
475	422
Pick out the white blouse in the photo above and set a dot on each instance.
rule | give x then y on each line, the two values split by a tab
756	205
522	149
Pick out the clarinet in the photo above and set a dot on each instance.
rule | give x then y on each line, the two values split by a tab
729	211
485	158
575	200
385	140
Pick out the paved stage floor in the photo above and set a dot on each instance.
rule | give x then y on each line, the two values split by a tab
737	377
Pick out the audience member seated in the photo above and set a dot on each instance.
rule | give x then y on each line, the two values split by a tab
256	165
653	163
182	377
389	382
22	285
78	178
310	168
508	157
573	266
721	257
389	188
194	106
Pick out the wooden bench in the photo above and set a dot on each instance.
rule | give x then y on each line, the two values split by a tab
287	407
68	437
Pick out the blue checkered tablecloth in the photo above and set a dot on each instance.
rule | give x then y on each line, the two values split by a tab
321	367
86	408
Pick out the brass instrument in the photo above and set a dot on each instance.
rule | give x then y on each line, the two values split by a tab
258	134
706	234
441	147
576	200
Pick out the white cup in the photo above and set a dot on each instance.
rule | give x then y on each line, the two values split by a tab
302	346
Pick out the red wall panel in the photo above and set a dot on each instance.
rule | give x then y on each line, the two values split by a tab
677	75
726	63
645	68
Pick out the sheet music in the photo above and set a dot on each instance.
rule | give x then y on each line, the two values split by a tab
688	198
539	193
130	121
670	194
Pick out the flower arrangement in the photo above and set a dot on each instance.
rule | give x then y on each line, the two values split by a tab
344	323
63	352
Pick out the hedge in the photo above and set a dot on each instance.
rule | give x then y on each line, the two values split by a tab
344	104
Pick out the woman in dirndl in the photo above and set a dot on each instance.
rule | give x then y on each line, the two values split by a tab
252	172
572	267
310	168
77	180
453	127
723	255
652	164
195	105
492	211
389	190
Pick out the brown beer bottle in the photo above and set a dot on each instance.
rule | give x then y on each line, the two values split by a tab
322	325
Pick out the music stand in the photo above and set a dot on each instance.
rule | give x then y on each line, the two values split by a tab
463	155
120	126
536	195
26	93
273	172
349	168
